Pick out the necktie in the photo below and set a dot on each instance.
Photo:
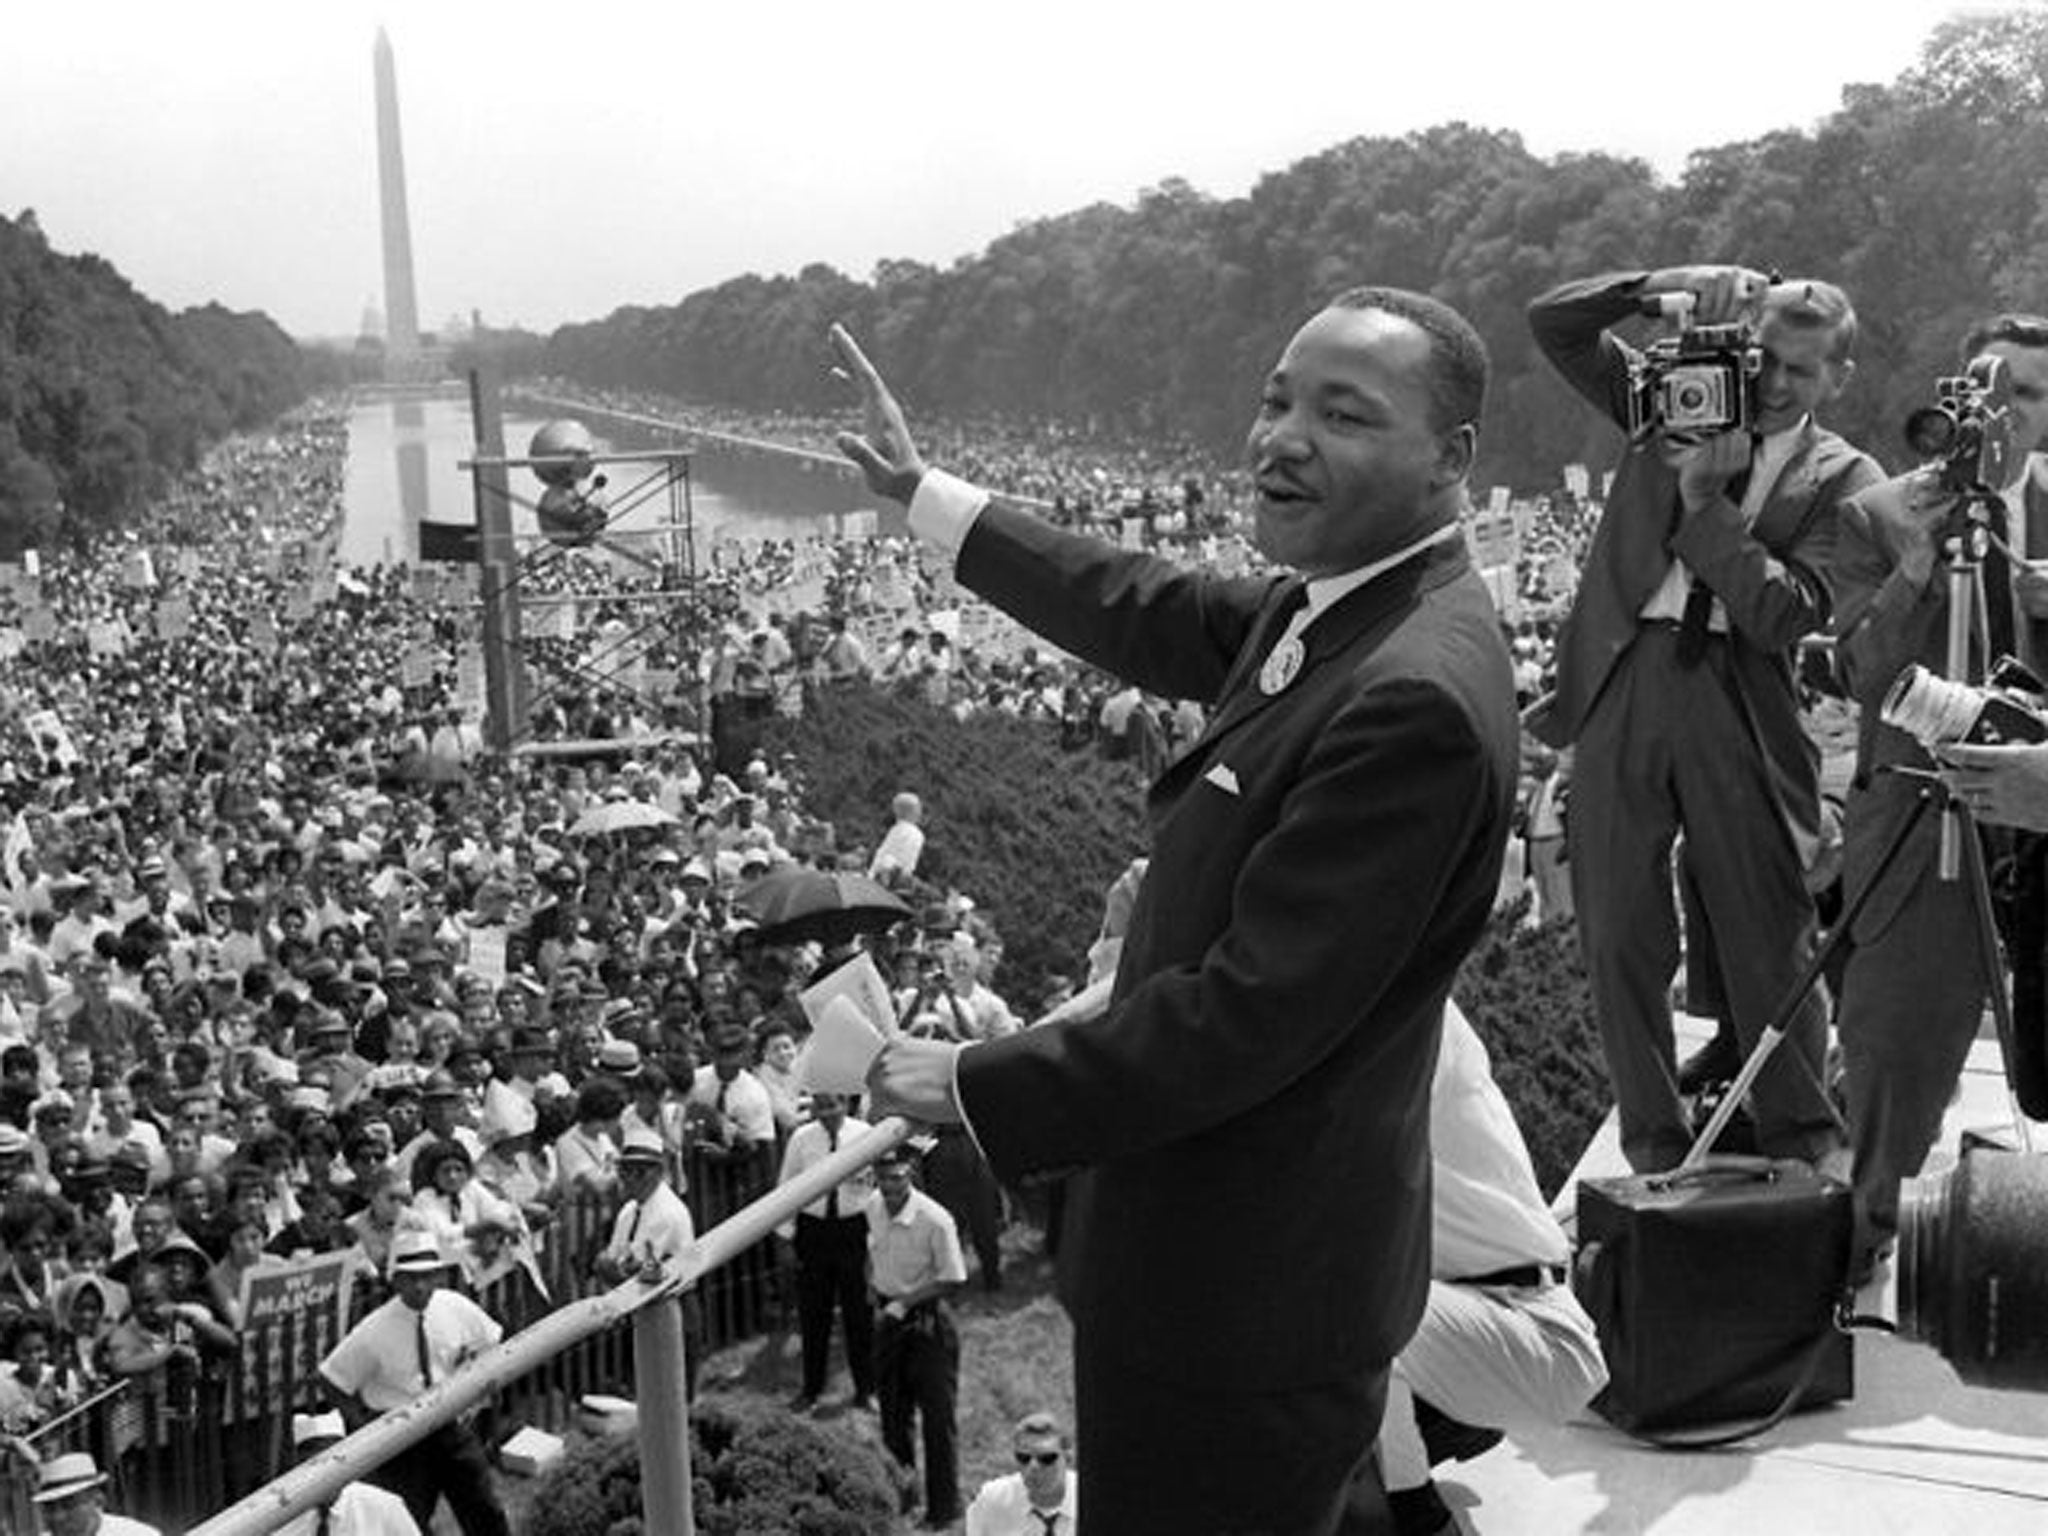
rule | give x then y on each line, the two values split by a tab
325	1524
1699	597
1049	1518
832	1194
420	1344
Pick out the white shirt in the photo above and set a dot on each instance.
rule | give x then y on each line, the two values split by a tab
809	1145
360	1509
379	1360
747	1104
1488	1211
914	1247
1003	1508
1668	601
900	849
658	1227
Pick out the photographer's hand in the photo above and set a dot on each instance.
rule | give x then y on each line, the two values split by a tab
1911	523
1705	466
1722	294
884	451
2007	785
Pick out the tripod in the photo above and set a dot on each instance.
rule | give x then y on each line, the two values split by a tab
1966	542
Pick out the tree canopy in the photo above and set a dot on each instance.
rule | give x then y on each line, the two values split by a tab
103	394
1923	197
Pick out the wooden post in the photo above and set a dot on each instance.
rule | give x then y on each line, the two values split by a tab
660	1382
498	573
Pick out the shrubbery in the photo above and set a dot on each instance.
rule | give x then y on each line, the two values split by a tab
1526	992
1034	833
756	1471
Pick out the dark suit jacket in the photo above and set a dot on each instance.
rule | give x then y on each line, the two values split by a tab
1252	1112
1885	626
1772	576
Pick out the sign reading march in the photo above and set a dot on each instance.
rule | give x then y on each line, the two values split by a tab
293	1314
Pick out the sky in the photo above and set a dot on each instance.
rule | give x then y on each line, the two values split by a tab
567	159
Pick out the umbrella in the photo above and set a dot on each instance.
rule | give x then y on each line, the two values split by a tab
796	903
620	816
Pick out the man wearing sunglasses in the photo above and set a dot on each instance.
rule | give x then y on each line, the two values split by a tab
1041	1498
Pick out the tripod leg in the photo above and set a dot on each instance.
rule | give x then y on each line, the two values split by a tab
1774	1032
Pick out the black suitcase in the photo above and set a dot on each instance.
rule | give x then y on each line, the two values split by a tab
1714	1289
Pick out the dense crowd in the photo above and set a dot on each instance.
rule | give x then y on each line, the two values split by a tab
288	965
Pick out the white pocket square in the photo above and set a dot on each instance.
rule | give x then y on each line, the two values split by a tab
1222	778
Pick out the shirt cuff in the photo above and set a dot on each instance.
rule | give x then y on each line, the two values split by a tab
960	1103
944	508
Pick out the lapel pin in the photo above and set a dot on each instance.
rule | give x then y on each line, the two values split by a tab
1281	666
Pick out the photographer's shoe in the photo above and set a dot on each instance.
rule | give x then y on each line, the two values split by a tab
1449	1439
1718	1061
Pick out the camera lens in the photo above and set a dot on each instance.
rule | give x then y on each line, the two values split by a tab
1930	431
1973	1267
1690	397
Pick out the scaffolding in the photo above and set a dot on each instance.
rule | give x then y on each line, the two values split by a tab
513	570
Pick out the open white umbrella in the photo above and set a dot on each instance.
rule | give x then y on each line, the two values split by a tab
620	816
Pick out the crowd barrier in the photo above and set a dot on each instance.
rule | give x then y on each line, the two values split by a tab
178	1449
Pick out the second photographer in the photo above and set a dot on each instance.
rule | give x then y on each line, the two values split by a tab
1915	988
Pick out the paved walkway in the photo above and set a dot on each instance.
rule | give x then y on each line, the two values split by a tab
1916	1452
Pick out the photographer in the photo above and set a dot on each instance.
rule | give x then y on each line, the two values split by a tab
1674	673
1906	1023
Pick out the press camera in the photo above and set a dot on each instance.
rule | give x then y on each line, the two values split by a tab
1968	429
1703	381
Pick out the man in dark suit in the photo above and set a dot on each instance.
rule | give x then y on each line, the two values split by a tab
1674	681
1915	988
1245	1243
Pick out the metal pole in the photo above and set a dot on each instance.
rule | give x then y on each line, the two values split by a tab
660	1377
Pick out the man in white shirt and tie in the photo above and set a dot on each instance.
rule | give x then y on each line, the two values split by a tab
413	1342
831	1236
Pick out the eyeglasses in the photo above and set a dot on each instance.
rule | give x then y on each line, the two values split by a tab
1039	1458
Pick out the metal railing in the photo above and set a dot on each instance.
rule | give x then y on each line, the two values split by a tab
658	1359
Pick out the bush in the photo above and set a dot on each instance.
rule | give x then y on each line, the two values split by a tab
1034	833
1526	992
756	1471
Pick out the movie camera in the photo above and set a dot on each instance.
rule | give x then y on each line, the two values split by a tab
2010	706
1702	381
1968	429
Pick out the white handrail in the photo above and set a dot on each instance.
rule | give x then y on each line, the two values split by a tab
317	1480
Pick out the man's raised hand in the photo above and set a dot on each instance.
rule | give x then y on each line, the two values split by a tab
887	457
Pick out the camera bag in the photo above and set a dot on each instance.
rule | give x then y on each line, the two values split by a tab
1714	1289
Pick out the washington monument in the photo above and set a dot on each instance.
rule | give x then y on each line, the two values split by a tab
401	307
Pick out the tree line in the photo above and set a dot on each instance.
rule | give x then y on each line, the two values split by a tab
1923	197
105	394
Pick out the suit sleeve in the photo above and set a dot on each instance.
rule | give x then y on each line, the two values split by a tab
1167	629
1571	326
1331	907
1881	615
1772	598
